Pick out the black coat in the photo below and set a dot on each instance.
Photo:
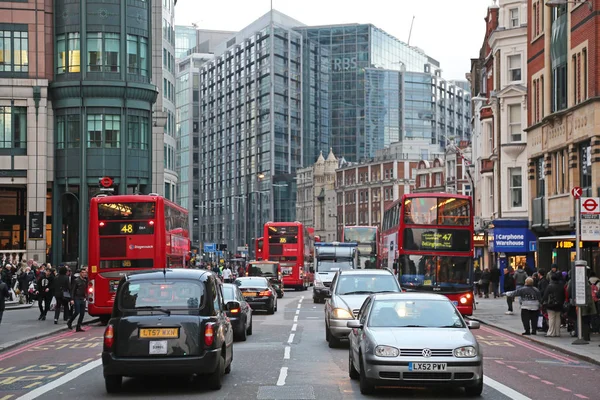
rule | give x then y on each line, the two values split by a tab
509	283
554	296
3	294
61	284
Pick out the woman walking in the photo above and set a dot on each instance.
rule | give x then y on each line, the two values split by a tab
62	293
553	299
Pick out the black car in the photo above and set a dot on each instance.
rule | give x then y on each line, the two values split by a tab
168	322
259	293
270	270
239	311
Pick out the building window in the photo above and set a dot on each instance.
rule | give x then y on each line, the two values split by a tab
103	130
438	179
13	127
540	177
514	17
585	157
14	54
514	68
103	52
560	170
137	132
514	122
69	53
516	187
68	131
423	181
137	55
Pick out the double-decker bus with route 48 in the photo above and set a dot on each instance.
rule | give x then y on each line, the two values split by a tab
367	238
289	244
130	233
428	241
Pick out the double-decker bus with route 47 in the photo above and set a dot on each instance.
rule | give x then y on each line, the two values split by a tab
367	238
428	241
289	244
130	233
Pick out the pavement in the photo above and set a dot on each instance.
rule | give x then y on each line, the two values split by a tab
492	312
20	325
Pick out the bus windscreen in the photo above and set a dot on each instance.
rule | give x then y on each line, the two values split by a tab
360	235
126	211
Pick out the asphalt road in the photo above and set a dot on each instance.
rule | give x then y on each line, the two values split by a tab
286	358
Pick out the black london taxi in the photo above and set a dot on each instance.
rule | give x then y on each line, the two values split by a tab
270	270
168	322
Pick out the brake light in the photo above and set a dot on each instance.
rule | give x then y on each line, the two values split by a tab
151	223
209	334
265	293
91	291
468	295
235	310
101	224
109	338
463	300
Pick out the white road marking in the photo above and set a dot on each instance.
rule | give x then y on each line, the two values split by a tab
286	353
294	327
513	394
62	380
282	376
301	298
297	312
296	318
291	338
299	305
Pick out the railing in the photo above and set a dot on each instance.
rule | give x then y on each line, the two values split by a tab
13	256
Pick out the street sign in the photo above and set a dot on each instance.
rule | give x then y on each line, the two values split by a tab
532	245
242	248
590	219
580	282
210	247
576	192
106	182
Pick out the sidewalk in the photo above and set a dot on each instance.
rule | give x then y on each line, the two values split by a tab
20	325
492	312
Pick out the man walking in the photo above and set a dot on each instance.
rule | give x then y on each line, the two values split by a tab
227	275
78	293
4	293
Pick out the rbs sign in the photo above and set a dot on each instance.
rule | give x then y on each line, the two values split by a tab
343	64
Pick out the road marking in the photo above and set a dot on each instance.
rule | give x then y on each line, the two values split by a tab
297	312
511	367
299	305
313	317
296	318
547	383
7	397
61	381
582	396
282	377
513	394
534	377
286	353
22	349
32	385
291	338
301	298
294	327
563	389
521	371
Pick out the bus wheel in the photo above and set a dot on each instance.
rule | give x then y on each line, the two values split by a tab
104	319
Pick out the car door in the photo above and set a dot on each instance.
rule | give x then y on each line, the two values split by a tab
356	334
224	322
246	310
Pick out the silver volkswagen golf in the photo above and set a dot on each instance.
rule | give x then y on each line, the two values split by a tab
413	339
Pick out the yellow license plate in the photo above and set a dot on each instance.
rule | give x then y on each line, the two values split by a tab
249	294
159	333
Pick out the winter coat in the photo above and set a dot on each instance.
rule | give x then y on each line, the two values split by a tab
530	297
520	276
61	285
542	285
78	291
554	296
3	294
44	283
495	275
509	283
485	278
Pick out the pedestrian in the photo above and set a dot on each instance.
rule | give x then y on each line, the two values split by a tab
44	295
520	277
509	285
485	282
553	270
477	280
542	282
227	274
530	296
495	281
62	294
553	299
78	292
4	293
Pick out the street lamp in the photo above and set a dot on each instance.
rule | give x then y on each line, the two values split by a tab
557	3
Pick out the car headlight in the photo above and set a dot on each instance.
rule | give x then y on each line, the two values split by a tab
341	313
464	352
386	351
318	284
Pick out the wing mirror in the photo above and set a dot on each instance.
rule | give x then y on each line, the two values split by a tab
233	305
327	294
473	324
354	324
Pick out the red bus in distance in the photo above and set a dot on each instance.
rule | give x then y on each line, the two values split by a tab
258	249
428	241
129	233
288	243
367	238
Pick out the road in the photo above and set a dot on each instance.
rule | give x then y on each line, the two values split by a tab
286	358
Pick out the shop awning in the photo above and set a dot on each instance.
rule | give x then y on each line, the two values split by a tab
557	238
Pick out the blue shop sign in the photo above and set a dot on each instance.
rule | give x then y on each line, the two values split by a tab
512	240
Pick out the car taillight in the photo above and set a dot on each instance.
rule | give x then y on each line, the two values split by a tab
109	338
265	293
209	334
91	290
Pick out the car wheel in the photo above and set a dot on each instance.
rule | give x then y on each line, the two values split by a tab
365	387
271	310
241	336
249	330
104	320
275	304
352	372
333	341
228	369
327	334
475	391
113	383
215	380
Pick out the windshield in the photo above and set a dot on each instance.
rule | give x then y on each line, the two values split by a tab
445	272
330	266
437	211
363	234
365	284
265	269
367	262
414	313
173	296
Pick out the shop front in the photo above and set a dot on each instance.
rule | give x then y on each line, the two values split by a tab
514	245
560	250
480	247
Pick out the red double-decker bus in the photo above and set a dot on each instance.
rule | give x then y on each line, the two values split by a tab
258	249
367	238
428	242
289	244
129	233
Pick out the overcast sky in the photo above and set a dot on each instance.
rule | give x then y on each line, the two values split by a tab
451	31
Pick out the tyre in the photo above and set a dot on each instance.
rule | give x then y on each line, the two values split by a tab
215	380
249	330
275	304
474	391
113	383
333	341
228	369
366	388
104	319
327	334
316	300
241	335
352	372
271	310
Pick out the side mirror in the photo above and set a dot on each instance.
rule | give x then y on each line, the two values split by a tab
233	305
354	324
473	324
327	294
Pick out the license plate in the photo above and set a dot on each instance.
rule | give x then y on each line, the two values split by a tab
427	366
159	333
158	347
249	294
113	286
455	303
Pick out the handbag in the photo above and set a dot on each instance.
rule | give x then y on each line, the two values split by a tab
66	295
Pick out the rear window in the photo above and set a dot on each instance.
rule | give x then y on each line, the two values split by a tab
126	211
174	296
263	269
365	284
251	282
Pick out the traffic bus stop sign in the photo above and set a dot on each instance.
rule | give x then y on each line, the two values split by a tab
580	282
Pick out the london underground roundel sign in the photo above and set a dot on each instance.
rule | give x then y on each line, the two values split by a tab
106	182
590	205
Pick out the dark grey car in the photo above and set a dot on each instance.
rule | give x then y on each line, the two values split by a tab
238	311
